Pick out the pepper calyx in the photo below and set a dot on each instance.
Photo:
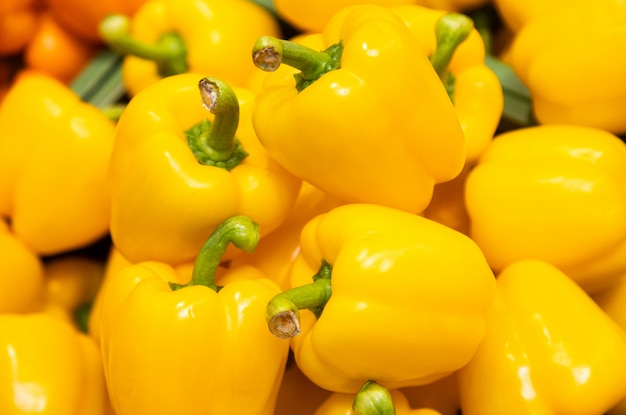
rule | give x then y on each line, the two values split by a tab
373	399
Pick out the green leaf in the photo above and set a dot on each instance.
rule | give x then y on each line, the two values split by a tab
100	83
517	98
268	4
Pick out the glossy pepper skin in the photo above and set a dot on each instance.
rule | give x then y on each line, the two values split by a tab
114	263
168	37
611	301
279	249
515	14
21	274
568	86
554	193
54	153
549	349
312	16
48	368
194	349
165	209
331	132
397	278
473	87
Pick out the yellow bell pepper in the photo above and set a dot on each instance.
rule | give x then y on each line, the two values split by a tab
453	5
554	193
440	397
280	248
297	394
71	282
567	85
549	349
366	119
515	14
313	15
448	204
343	404
396	279
115	262
54	159
174	346
611	300
169	37
177	170
473	87
47	367
21	274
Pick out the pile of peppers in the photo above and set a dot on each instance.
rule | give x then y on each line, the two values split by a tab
386	207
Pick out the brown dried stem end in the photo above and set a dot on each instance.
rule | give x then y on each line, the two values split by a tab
285	325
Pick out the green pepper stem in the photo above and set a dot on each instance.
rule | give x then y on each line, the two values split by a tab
373	399
214	143
450	31
282	313
270	52
169	52
241	231
220	100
